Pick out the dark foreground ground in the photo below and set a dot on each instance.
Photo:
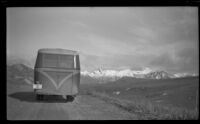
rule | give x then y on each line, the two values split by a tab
106	101
181	93
22	105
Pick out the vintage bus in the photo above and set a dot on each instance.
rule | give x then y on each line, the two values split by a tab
56	72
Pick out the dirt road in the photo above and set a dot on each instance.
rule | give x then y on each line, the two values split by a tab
22	105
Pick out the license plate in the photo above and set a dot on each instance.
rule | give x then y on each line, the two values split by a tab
37	86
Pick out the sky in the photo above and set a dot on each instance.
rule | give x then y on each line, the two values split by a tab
160	38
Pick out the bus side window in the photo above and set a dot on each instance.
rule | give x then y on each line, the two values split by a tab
77	62
39	60
74	62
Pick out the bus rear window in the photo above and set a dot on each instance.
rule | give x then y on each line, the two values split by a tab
58	61
66	61
50	60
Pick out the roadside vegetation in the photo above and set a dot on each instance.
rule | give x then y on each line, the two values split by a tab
147	110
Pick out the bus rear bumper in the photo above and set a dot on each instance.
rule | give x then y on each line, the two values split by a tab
46	91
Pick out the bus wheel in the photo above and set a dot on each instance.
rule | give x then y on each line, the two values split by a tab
39	97
70	98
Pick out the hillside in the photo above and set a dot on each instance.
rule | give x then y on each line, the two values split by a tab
180	92
19	74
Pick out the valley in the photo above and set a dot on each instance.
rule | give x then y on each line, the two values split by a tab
135	98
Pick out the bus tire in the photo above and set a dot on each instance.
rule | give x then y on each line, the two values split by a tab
39	97
70	98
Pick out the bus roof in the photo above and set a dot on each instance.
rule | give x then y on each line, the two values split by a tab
57	51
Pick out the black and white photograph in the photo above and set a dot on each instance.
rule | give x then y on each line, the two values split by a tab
102	63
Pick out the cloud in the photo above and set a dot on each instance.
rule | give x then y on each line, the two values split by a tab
111	37
185	60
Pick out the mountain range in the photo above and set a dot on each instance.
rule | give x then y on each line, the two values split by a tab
113	75
23	72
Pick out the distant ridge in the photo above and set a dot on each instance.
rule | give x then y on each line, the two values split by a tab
24	73
159	75
19	73
113	75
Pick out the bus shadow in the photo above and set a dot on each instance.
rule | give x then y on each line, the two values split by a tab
31	97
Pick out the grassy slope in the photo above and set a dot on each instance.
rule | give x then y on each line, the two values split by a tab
176	92
155	99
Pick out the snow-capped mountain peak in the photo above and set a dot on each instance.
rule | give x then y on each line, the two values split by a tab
85	73
112	75
159	75
179	75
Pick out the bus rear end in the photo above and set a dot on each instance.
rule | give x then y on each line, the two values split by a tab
57	72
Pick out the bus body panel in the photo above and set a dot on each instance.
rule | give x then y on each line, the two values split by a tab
76	82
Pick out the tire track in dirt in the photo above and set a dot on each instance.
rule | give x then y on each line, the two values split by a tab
84	107
51	111
90	108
